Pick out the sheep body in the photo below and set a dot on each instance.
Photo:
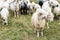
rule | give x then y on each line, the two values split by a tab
38	21
4	14
56	11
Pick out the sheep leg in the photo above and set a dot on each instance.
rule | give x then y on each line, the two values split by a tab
15	14
37	33
34	30
26	11
42	33
21	11
47	25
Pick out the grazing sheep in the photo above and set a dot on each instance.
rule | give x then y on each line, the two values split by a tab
39	20
4	14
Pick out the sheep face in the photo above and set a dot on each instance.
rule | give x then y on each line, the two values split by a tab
41	16
53	3
4	21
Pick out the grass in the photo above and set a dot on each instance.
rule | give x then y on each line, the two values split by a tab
21	29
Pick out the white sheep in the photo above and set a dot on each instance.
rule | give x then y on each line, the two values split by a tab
53	3
10	1
46	6
56	11
50	18
6	5
1	4
4	14
27	1
35	5
15	8
39	20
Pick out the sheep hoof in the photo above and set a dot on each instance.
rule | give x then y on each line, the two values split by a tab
37	34
48	27
41	34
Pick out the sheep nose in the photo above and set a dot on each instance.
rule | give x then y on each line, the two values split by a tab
57	6
4	23
3	19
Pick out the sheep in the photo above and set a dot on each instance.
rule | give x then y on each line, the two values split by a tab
54	6
50	18
1	4
4	15
10	1
33	6
37	6
53	3
23	8
56	11
47	8
15	8
38	21
27	1
6	5
41	2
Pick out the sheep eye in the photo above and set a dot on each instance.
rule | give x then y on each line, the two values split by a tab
40	14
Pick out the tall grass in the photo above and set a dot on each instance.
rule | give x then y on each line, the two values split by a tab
21	29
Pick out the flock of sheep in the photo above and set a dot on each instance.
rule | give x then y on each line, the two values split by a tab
44	12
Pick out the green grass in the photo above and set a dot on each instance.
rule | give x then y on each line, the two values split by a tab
21	29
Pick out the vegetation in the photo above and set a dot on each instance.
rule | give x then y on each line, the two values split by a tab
22	29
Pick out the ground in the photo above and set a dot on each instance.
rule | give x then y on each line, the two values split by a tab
22	29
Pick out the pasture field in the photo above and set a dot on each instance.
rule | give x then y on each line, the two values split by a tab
21	29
